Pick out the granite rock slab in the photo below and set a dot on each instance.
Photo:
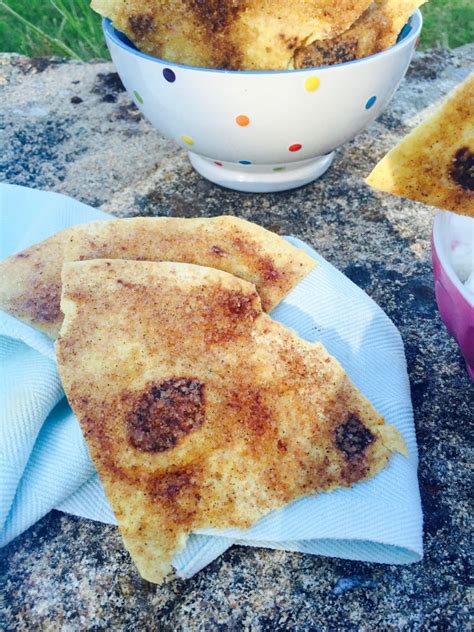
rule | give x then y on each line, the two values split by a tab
70	127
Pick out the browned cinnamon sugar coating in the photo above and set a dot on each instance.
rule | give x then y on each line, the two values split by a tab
434	164
30	282
199	410
229	34
376	29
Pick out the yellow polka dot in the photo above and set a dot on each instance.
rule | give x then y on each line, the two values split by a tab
187	139
312	83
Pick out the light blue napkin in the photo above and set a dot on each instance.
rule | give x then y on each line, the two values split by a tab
44	462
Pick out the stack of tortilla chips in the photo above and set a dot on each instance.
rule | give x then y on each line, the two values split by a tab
259	34
199	410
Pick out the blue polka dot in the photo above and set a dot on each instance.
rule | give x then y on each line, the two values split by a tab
370	102
245	162
169	75
405	31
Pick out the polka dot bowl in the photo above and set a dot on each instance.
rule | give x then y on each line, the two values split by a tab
262	131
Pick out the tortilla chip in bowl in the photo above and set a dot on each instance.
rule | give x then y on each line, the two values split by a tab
229	34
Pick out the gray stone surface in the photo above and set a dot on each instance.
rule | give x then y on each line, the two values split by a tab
70	127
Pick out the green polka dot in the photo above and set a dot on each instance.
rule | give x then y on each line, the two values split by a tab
137	96
279	168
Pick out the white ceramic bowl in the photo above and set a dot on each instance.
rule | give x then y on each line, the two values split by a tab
263	130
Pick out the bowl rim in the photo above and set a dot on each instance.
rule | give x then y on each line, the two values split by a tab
415	21
442	218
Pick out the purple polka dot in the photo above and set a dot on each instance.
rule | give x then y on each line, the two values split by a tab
169	75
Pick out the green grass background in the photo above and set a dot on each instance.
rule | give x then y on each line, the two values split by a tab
71	29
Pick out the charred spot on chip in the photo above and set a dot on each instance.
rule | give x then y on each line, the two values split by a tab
141	23
352	437
462	168
22	255
322	53
165	413
216	15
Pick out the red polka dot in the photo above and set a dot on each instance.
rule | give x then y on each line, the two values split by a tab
219	164
295	147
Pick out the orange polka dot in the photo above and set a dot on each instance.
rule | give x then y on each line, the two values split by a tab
242	120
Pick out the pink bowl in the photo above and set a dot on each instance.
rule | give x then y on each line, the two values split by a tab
455	303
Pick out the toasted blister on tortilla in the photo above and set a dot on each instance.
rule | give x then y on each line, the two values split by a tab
199	410
229	34
377	29
30	281
434	164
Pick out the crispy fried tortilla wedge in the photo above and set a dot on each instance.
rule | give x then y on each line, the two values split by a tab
30	282
376	29
229	34
434	164
199	410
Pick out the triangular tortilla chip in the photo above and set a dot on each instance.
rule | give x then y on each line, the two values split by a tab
243	35
30	282
199	410
434	164
377	29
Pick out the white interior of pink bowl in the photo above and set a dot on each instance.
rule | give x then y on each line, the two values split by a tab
449	231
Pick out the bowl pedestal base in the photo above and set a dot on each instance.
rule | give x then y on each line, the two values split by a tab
262	178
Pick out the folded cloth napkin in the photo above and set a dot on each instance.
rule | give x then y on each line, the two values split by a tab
44	461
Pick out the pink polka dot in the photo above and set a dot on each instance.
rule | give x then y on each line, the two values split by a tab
295	147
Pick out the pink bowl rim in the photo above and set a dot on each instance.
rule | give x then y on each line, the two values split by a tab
439	223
